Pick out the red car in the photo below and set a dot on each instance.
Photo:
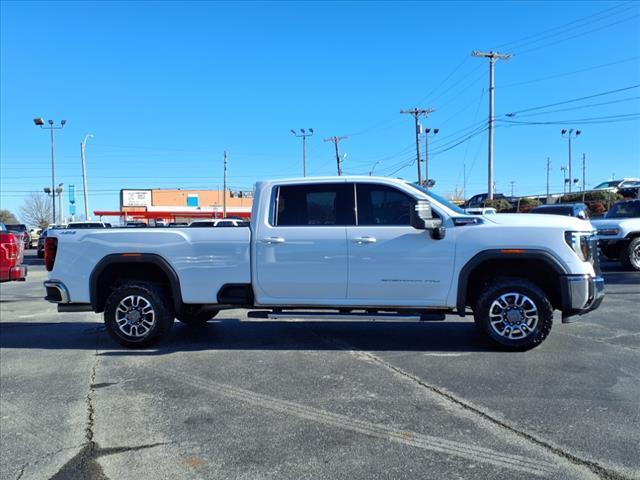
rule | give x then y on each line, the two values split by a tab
11	254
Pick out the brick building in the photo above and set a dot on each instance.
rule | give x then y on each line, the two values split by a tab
177	205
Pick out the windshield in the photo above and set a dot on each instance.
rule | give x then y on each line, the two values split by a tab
451	206
613	183
625	210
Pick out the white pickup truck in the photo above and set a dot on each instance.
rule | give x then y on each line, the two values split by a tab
337	247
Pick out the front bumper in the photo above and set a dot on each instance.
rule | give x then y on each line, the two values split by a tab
580	294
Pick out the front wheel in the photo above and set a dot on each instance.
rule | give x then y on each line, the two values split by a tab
514	314
138	314
630	256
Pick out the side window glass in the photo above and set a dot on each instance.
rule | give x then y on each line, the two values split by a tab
314	205
382	205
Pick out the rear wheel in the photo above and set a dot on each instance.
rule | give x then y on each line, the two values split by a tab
514	314
137	314
630	256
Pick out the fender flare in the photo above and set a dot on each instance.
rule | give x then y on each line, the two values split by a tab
500	254
137	258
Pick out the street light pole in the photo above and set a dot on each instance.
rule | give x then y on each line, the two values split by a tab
303	134
569	133
427	131
39	122
84	176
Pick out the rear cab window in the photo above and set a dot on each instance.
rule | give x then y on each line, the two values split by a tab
313	205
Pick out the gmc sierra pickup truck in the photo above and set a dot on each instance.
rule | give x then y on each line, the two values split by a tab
338	247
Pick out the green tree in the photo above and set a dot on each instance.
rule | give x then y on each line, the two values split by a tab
7	217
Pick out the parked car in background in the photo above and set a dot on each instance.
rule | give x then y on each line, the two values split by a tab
23	233
578	210
480	199
221	222
41	239
77	225
619	233
34	234
178	224
11	255
627	187
481	211
135	225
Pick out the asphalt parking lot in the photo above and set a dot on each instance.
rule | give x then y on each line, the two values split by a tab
265	399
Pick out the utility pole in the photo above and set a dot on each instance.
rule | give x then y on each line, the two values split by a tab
570	133
584	170
59	190
224	188
303	134
39	122
416	113
464	182
493	57
512	184
336	141
548	170
427	131
83	143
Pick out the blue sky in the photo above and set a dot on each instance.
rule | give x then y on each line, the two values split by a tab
165	87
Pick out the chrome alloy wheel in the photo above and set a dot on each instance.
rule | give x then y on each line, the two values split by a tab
635	256
135	316
513	315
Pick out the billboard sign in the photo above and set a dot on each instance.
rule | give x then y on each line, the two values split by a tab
136	198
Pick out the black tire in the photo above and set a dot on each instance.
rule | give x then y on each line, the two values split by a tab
157	326
630	255
40	254
611	252
196	316
530	334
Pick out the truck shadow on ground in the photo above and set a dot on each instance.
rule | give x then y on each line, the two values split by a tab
232	334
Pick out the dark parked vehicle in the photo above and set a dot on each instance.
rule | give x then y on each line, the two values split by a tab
23	233
77	225
480	199
578	210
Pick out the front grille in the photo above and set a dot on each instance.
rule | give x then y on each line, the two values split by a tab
593	254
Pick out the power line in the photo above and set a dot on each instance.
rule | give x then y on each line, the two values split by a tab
590	105
591	120
609	92
566	74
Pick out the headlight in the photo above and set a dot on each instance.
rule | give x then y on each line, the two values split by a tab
580	243
609	231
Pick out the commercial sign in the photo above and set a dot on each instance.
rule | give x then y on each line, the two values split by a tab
136	198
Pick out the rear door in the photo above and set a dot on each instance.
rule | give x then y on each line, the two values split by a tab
301	250
390	262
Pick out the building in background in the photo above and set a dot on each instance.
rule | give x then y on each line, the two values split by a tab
177	205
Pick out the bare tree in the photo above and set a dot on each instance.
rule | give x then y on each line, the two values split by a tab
36	210
7	217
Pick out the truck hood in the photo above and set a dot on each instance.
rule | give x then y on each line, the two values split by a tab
539	220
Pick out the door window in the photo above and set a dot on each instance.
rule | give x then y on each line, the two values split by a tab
382	205
314	205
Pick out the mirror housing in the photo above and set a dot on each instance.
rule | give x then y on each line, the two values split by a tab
423	220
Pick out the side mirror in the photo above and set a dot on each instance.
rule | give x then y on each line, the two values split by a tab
423	220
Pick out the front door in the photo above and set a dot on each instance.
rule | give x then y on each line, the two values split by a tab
390	262
301	252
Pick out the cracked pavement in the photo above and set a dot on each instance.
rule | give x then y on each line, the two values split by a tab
266	399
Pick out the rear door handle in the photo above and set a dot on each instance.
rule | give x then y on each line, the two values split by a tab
273	240
361	240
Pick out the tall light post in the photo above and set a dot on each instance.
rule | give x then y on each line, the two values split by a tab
39	122
84	175
427	131
59	191
303	134
373	168
564	179
568	134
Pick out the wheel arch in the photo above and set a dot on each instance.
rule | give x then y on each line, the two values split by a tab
489	264
148	266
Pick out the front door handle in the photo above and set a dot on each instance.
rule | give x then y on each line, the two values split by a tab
367	239
273	240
